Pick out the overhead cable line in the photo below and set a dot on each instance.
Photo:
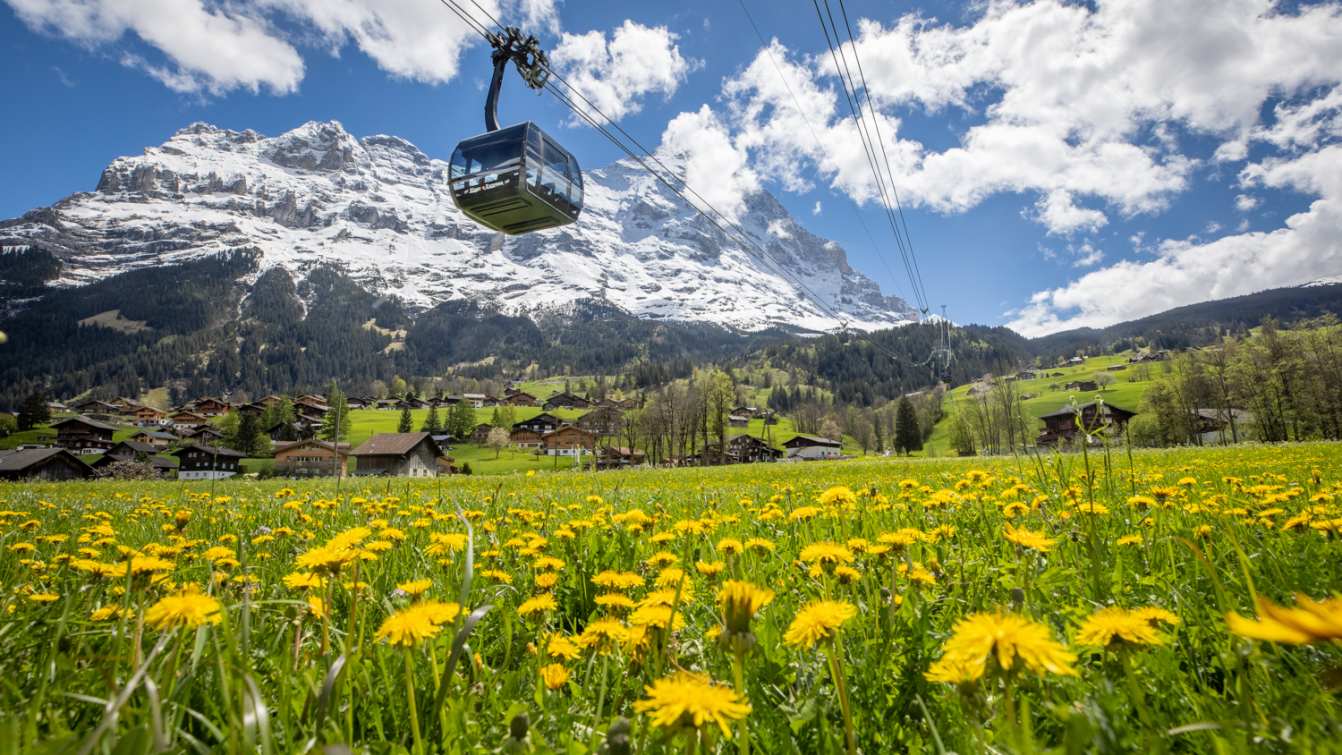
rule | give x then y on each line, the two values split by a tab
848	83
894	191
796	104
725	224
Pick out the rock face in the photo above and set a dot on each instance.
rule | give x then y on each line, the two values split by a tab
378	209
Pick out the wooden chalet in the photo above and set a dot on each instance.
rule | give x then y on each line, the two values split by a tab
565	400
1084	386
159	439
812	447
127	450
210	406
1096	417
312	458
397	455
479	400
603	420
312	406
610	457
197	461
80	435
130	451
541	423
290	432
748	449
147	416
203	434
183	420
738	420
568	441
524	438
43	464
519	398
481	433
1218	427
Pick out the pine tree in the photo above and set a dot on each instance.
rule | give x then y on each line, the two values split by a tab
249	438
461	420
407	423
908	438
432	424
34	412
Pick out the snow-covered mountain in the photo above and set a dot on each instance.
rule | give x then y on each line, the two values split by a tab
379	210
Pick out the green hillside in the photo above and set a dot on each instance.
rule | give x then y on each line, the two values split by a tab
1048	394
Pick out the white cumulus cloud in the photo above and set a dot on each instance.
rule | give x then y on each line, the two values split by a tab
1308	247
617	71
207	47
215	46
711	163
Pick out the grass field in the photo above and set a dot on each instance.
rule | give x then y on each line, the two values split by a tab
1049	395
878	606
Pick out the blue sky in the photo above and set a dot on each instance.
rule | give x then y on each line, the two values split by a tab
1062	164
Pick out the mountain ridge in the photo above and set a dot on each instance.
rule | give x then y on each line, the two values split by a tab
379	209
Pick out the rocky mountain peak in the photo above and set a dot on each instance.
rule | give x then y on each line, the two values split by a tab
380	210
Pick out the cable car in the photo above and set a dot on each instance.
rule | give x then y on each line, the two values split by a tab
515	179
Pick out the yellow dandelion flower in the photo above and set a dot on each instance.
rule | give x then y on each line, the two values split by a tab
415	587
615	600
543	603
554	675
1110	627
1005	638
1309	622
1037	541
421	621
303	581
817	621
825	552
188	608
689	701
561	646
839	495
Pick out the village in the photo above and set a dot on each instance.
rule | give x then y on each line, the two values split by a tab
126	438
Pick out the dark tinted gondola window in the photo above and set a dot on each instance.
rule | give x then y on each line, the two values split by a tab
554	173
501	150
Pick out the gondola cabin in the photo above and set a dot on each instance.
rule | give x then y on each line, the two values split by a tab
516	180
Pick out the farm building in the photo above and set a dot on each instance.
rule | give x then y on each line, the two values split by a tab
397	455
568	441
81	435
42	464
312	458
1061	426
809	447
197	461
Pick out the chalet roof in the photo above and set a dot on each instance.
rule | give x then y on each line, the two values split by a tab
811	440
17	461
342	448
81	419
136	446
1222	414
157	434
395	444
1067	411
211	450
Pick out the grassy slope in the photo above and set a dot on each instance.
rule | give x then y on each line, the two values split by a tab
1123	392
